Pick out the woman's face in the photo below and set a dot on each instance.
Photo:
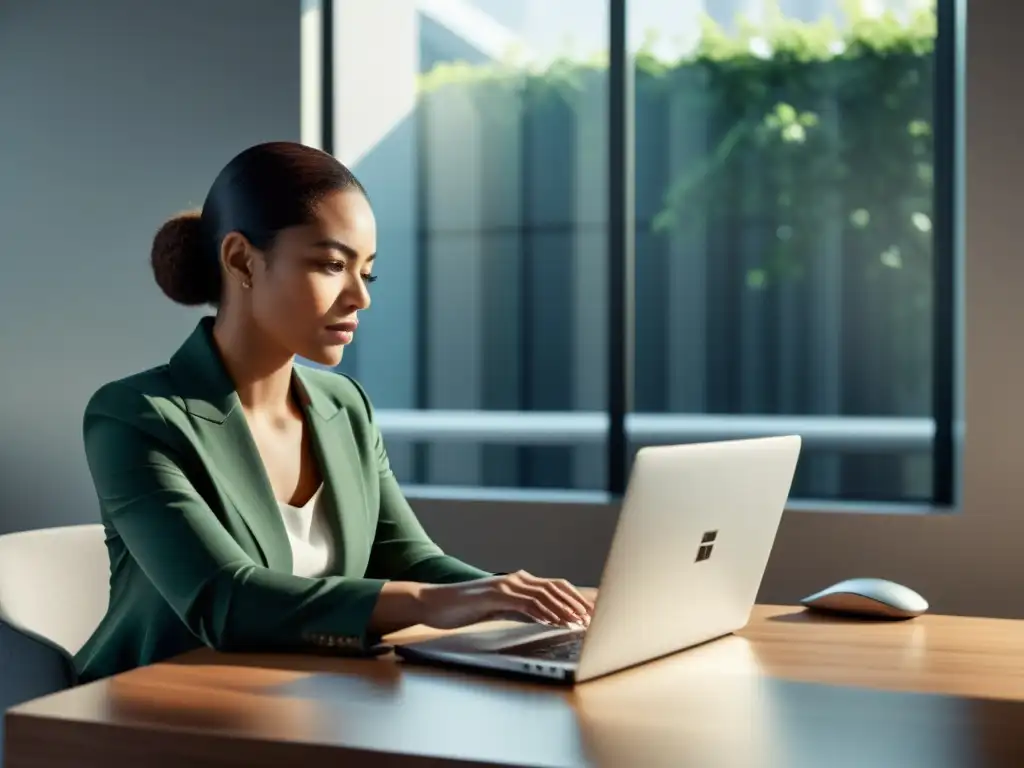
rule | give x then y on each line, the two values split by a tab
308	293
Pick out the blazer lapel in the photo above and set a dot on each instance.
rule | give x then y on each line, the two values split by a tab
226	443
340	465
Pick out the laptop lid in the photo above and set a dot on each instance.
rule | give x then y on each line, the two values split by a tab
691	545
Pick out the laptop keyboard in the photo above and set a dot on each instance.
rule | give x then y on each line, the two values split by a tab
560	648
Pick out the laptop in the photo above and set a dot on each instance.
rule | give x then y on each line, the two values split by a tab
690	549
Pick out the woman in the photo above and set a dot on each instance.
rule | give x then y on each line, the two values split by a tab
248	503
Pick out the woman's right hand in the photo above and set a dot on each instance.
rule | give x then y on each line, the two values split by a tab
520	594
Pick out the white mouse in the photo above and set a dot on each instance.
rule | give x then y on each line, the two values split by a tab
868	597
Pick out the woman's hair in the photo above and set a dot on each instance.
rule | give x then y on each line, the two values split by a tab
264	189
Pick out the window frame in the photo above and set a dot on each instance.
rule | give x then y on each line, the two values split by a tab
620	372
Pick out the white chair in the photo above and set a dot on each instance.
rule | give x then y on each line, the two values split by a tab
54	585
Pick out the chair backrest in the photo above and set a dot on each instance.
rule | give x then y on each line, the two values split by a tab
55	582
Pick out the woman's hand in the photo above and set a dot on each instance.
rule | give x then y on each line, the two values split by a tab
520	594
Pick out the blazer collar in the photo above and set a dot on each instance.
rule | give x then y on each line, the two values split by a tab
208	393
205	386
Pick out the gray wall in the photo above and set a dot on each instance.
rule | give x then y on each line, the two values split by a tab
114	114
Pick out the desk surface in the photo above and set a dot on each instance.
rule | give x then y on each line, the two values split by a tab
789	690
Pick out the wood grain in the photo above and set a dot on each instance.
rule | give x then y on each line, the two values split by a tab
952	655
789	690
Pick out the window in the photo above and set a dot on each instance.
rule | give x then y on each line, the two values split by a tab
789	239
612	223
484	155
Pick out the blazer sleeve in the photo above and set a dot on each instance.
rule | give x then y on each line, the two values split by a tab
225	598
402	550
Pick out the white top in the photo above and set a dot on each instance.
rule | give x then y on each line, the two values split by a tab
309	536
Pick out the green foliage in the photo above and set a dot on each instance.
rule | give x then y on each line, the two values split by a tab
763	87
816	135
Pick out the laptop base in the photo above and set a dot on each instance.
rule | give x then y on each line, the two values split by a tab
494	664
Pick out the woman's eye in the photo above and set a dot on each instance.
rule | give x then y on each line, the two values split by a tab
336	267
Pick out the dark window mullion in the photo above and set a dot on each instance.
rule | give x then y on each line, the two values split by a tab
621	214
946	231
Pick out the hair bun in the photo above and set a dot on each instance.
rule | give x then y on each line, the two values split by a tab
179	261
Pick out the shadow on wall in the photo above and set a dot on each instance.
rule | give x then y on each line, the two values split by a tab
144	102
35	497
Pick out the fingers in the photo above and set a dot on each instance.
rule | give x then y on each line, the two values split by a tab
544	595
567	593
537	608
521	597
552	598
583	607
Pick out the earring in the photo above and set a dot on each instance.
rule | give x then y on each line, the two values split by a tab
246	284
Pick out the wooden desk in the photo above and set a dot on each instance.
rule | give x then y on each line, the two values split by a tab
937	691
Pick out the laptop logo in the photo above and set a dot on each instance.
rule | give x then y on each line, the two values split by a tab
707	543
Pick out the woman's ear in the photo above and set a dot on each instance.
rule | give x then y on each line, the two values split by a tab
236	258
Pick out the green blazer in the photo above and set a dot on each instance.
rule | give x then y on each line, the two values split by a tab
198	551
